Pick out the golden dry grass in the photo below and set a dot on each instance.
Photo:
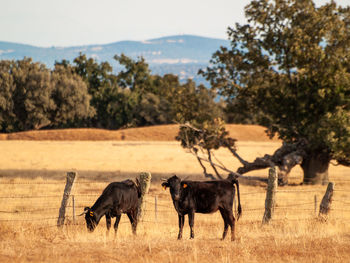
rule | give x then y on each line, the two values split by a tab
294	236
125	156
27	222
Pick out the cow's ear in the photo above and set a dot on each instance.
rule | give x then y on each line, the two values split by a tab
87	210
165	185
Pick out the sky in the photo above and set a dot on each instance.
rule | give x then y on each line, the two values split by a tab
62	23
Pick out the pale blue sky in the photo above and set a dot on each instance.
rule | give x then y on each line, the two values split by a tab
80	22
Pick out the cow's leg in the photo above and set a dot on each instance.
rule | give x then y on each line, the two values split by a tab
117	219
231	222
181	226
108	223
191	223
224	217
134	215
133	221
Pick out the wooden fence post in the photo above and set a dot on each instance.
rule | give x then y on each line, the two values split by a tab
73	210
315	205
326	202
156	208
145	182
270	195
69	184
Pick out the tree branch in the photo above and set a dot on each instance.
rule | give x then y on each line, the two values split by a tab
285	157
202	165
187	125
235	154
343	162
254	178
212	165
259	163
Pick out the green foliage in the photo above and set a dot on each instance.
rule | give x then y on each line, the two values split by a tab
101	84
208	135
290	67
136	75
71	98
193	102
334	130
88	94
33	97
7	88
154	110
32	94
116	107
95	74
188	101
142	105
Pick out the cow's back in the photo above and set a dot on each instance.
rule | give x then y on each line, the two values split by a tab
122	196
209	196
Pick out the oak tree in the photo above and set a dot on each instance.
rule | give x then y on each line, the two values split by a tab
288	68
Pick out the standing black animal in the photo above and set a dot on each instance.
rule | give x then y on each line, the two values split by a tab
190	197
116	198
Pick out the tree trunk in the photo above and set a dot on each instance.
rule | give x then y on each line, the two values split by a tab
288	162
315	167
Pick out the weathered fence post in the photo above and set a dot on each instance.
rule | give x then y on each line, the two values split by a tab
326	202
145	182
69	184
73	210
156	208
315	205
270	195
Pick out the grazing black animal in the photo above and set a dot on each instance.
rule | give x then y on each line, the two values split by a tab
190	197
116	198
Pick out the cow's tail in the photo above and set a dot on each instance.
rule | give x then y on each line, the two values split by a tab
239	212
234	181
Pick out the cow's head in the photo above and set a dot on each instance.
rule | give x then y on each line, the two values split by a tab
90	219
174	183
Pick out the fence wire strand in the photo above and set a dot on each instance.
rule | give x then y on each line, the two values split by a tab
163	205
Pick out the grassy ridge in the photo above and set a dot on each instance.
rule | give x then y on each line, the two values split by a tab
152	133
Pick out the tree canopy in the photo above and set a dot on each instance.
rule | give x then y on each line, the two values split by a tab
288	69
34	97
88	93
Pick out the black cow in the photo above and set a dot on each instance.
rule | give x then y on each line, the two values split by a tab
190	197
116	198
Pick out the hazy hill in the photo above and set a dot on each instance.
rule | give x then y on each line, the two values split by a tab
182	55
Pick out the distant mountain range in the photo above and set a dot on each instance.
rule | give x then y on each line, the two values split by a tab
183	55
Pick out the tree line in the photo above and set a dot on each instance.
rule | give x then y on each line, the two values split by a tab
86	93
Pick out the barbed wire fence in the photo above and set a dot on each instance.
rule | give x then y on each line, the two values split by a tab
160	210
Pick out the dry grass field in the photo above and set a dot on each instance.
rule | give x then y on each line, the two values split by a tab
32	179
